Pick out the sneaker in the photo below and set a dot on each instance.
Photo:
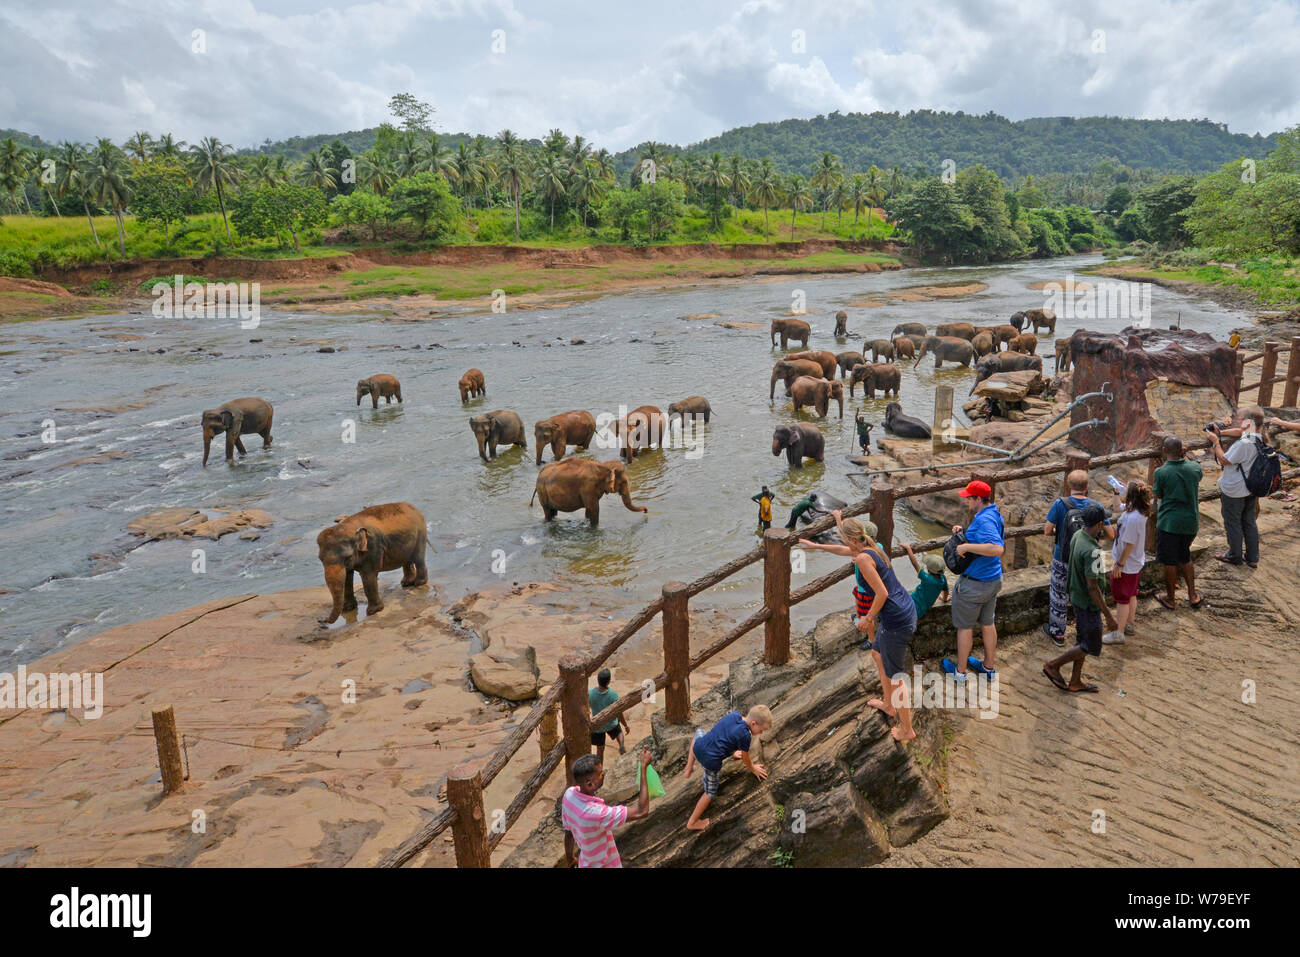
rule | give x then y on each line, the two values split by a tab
977	666
949	668
1130	630
1113	638
1058	640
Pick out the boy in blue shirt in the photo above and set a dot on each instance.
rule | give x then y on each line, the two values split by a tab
932	584
732	735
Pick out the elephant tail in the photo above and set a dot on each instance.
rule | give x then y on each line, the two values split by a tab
533	499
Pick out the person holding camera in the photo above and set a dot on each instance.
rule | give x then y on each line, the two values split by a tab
1238	507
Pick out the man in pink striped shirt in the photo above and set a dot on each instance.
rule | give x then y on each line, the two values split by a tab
589	822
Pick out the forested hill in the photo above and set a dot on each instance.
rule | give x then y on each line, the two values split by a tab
920	141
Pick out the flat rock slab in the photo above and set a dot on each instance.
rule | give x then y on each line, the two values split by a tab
191	523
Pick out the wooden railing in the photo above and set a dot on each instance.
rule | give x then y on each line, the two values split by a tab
475	838
1268	375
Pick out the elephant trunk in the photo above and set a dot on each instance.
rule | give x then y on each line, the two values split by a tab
482	445
625	493
335	578
207	443
840	399
771	392
359	395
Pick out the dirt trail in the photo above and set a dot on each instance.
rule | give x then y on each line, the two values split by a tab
1184	771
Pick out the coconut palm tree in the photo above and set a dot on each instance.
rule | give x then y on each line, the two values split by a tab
513	169
315	171
552	179
38	168
107	172
740	180
167	145
268	171
410	156
827	174
140	146
579	152
586	188
212	168
70	179
374	171
15	166
469	172
714	178
767	190
604	163
800	197
439	159
857	196
875	190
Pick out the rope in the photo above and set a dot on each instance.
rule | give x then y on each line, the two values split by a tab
337	752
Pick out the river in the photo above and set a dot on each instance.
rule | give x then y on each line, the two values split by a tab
69	570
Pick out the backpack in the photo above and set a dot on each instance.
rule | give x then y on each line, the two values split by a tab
957	564
1071	523
1265	475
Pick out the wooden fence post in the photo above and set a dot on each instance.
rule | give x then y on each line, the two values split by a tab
1241	375
169	749
575	717
469	826
1267	372
776	596
677	653
1292	374
1157	459
882	514
548	732
1074	461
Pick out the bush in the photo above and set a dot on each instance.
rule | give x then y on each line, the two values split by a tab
15	264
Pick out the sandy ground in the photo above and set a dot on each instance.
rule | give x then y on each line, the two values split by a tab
1168	757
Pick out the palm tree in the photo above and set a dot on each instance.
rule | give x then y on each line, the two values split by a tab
469	171
39	164
713	175
655	153
604	163
875	190
71	178
767	191
740	180
15	166
552	179
140	146
106	178
439	159
374	171
169	146
269	171
800	198
586	188
827	174
579	152
410	157
513	168
212	168
895	180
857	195
315	171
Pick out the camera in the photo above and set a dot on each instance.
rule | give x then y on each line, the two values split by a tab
1212	427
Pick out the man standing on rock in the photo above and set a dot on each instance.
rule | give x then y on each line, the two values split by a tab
1176	486
975	593
1062	521
589	822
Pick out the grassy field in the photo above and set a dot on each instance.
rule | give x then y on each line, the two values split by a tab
1270	281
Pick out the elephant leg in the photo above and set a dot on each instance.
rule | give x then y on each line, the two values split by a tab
408	574
230	447
266	437
706	417
370	582
349	596
421	570
374	400
239	444
399	396
593	510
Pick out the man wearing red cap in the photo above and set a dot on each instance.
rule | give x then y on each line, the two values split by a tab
975	594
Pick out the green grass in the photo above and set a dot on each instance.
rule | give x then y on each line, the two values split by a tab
1273	281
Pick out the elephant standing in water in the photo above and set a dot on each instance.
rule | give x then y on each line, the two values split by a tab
471	385
799	441
568	428
1040	317
848	361
884	376
878	348
791	329
379	387
237	417
644	426
791	369
692	405
498	427
822	357
841	324
946	349
579	483
909	329
376	539
818	393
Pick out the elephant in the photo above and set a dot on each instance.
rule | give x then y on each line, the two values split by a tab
1062	355
1004	362
878	348
248	416
472	385
841	324
946	349
377	539
791	329
498	427
1041	317
692	405
958	330
644	426
982	344
579	483
848	361
823	358
1004	335
568	428
908	329
789	370
799	441
1026	342
904	426
884	376
818	393
1018	320
904	347
377	387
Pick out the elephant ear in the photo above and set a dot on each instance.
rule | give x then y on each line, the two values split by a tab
362	540
227	418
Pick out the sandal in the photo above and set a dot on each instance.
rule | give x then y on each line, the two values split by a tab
1164	600
1200	600
1056	680
1086	689
1227	559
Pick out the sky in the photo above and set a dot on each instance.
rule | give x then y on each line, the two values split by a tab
621	73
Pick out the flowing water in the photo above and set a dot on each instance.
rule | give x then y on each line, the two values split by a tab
68	569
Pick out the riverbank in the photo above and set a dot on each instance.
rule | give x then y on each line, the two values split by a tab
1220	283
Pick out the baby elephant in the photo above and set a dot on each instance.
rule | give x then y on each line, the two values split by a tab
379	387
878	348
238	417
904	426
472	385
692	405
495	428
1062	355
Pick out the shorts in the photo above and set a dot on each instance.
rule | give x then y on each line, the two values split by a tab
1173	548
1125	588
710	777
598	737
974	602
1088	627
891	645
863	600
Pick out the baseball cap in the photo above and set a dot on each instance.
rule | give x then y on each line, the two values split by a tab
934	564
977	489
1092	514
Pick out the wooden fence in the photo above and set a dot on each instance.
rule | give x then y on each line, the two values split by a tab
569	738
1268	375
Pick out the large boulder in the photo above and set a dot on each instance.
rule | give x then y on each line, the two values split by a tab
510	675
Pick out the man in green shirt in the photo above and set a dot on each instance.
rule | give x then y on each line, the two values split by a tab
800	507
598	699
1177	487
1087	572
